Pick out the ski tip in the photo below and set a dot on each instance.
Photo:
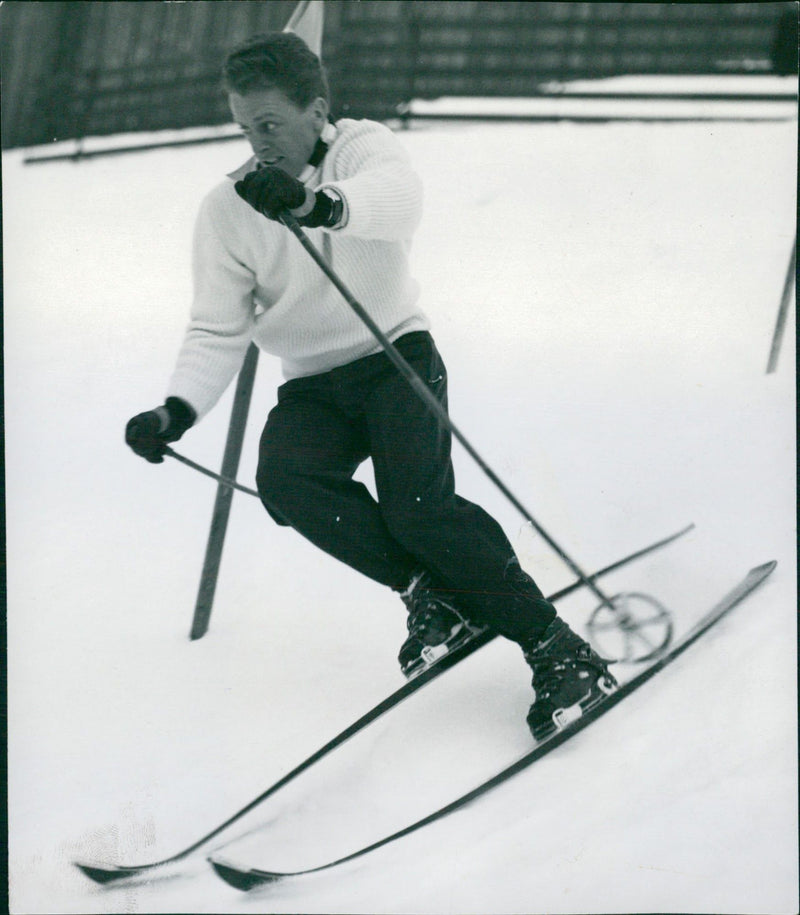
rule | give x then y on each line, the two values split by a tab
763	570
105	873
241	878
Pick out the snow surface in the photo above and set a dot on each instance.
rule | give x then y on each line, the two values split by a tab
605	297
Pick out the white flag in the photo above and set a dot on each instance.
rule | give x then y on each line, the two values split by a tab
307	22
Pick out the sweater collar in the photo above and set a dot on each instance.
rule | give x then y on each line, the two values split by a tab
326	138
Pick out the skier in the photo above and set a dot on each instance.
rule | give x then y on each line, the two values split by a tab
350	184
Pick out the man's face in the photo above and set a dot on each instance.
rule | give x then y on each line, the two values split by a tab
280	133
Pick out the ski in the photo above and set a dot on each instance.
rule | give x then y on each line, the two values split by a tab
109	873
246	878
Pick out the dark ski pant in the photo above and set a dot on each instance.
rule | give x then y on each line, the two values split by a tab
324	426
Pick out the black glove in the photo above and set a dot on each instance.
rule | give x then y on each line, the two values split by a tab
148	433
271	191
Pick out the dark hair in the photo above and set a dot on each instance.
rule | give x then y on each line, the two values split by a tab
276	60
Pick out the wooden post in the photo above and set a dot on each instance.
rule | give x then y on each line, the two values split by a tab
783	310
222	504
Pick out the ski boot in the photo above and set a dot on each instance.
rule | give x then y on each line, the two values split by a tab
435	626
569	678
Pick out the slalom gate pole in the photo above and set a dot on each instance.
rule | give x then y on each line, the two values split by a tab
433	404
783	310
222	503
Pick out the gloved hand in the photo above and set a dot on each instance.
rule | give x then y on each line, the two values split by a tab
149	433
271	191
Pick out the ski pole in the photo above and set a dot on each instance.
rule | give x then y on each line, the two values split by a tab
222	480
433	404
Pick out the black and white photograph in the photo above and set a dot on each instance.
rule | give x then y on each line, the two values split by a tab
400	456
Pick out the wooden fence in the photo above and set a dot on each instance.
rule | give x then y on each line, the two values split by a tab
75	69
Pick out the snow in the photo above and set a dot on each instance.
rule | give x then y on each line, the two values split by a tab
605	297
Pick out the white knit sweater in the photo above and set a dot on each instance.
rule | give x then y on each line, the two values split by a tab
254	281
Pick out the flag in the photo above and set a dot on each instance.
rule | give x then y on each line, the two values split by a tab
306	22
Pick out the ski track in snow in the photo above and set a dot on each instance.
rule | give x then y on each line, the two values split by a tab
604	296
